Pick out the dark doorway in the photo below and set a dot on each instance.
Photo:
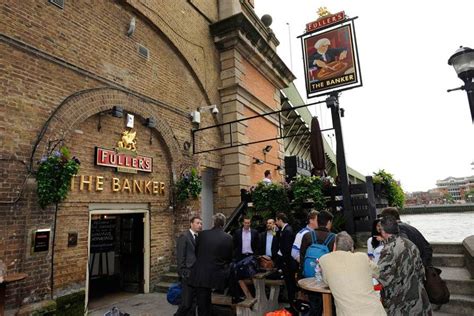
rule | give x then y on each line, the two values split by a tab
116	255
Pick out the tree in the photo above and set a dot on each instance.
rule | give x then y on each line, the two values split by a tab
395	195
469	196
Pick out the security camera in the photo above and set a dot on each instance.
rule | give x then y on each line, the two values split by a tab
215	110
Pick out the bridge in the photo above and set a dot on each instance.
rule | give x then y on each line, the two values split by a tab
443	208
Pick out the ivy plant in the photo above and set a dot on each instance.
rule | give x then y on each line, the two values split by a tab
308	188
189	186
269	199
54	176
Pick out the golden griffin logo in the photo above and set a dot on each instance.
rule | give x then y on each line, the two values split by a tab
323	11
128	140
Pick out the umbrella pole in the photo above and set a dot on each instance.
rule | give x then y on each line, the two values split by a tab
333	103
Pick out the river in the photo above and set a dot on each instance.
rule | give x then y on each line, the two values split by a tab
442	227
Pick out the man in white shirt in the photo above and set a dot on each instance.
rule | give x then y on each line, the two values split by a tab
349	276
245	240
312	225
267	239
268	177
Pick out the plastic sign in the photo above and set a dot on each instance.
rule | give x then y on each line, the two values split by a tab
325	21
124	161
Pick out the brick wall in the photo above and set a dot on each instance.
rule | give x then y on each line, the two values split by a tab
70	65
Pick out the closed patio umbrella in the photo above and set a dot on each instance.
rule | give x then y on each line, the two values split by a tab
318	157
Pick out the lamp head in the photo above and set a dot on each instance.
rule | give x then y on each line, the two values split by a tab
463	62
117	111
267	149
150	122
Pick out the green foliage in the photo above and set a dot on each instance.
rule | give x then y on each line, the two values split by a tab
189	186
269	199
449	198
305	188
338	223
54	176
71	304
469	196
395	195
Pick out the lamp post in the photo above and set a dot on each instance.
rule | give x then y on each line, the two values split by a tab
463	63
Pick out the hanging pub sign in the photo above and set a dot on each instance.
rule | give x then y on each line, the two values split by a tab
330	54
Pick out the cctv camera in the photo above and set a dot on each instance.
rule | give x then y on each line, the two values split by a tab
215	110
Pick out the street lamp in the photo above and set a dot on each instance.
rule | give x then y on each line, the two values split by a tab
463	63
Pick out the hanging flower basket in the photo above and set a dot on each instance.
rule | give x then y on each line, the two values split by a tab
189	186
54	176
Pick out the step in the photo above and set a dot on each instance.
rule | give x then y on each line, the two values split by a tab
448	247
448	260
170	277
162	287
173	268
455	273
458	280
464	287
459	305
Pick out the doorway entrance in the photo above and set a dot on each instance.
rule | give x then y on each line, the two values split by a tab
118	255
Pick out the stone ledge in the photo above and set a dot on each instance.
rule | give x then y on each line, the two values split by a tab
468	244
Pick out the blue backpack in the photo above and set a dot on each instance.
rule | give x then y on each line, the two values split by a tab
314	252
174	294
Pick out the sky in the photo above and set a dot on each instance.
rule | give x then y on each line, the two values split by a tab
401	119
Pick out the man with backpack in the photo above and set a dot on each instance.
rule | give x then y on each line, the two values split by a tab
314	245
312	225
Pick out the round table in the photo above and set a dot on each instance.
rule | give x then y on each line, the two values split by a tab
310	284
9	278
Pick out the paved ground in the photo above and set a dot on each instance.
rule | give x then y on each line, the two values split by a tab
152	304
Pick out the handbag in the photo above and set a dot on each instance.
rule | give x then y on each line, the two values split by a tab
438	292
265	263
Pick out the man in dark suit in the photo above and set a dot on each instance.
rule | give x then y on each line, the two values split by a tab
211	270
268	240
245	240
186	257
284	259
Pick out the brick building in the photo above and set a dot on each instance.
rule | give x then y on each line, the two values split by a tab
67	68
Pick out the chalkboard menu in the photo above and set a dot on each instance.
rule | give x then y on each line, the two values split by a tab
102	235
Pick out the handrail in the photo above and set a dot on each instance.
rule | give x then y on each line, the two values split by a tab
235	215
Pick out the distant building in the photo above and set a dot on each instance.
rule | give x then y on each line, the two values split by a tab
456	187
424	198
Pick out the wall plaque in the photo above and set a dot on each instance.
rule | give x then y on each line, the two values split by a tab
40	240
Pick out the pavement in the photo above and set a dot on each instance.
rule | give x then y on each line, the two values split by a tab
152	304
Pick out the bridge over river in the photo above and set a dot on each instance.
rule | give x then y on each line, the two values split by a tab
444	208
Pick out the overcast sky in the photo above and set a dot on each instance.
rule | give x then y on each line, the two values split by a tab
402	119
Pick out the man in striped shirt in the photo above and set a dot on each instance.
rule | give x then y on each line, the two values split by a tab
312	225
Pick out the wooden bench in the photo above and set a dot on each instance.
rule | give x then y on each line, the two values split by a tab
244	308
262	303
